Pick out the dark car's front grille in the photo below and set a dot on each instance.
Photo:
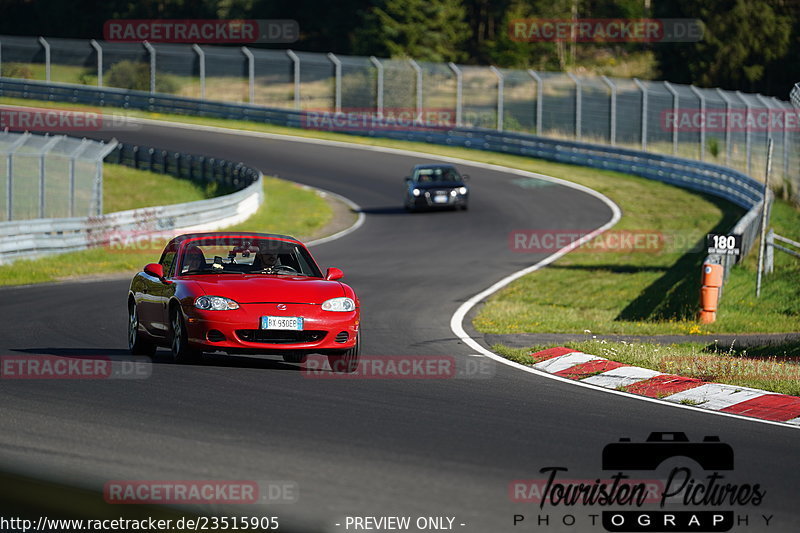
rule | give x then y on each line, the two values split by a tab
342	336
269	336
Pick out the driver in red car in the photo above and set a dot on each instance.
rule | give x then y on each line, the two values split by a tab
264	260
193	260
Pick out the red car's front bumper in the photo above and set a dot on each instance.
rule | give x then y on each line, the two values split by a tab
239	330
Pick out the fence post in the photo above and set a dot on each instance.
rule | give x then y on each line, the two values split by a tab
702	99
768	108
152	52
578	103
539	97
9	172
644	112
500	96
104	152
71	186
769	253
747	135
9	185
201	59
98	187
612	134
251	74
296	73
764	218
785	138
459	92
379	89
724	97
337	72
418	70
675	106
99	50
46	47
42	185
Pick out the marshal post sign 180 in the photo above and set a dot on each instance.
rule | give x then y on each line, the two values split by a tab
724	244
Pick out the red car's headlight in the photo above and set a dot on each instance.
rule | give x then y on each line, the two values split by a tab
341	305
215	303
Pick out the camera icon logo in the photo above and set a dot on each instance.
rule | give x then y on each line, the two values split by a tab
710	454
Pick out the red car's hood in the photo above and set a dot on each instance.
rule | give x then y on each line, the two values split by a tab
265	288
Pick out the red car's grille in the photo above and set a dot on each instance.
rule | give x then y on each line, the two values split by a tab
279	336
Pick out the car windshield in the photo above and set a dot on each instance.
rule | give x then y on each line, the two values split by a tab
246	255
436	174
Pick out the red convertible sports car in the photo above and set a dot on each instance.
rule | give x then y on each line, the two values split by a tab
243	293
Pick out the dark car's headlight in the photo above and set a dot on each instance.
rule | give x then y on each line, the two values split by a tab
416	192
215	303
341	305
462	190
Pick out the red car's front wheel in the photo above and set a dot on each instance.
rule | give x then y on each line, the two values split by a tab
346	362
182	352
136	344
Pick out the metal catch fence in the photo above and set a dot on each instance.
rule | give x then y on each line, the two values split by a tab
711	125
50	176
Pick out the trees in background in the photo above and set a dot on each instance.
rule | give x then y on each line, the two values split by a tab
427	30
745	46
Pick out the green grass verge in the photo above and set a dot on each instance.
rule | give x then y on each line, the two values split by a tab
607	292
288	208
779	304
651	293
773	368
129	188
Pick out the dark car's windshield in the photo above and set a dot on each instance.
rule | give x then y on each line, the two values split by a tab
427	175
246	255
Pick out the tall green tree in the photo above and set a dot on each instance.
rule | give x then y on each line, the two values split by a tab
430	30
741	37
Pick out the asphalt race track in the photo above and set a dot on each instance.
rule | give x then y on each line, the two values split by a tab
436	447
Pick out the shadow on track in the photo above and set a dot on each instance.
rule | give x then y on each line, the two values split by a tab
162	357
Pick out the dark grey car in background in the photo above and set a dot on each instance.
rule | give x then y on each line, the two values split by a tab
435	187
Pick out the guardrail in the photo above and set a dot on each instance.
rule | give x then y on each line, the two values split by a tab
34	238
700	176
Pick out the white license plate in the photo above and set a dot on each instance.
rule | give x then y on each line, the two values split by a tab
282	322
442	199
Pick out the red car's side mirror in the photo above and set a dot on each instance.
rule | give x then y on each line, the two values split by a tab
333	273
155	270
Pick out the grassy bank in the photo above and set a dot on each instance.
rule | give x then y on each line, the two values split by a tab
129	188
775	368
652	291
